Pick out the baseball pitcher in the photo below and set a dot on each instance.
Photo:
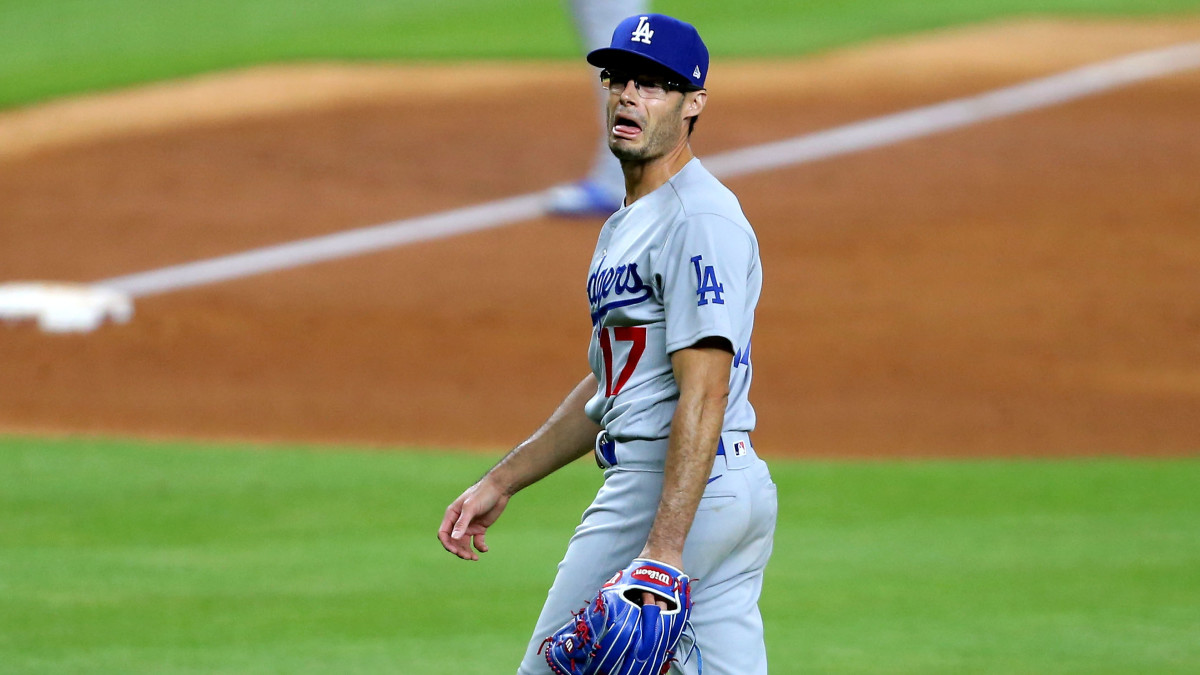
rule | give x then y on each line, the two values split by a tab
665	570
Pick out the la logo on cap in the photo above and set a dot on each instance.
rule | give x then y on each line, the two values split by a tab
643	33
696	73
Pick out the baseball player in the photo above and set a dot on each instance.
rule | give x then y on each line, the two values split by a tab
672	288
601	191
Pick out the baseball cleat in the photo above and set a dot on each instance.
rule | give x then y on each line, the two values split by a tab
584	198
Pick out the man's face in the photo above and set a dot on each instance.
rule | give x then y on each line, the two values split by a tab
646	119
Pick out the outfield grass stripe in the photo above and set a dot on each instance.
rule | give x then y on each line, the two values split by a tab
51	48
856	137
123	557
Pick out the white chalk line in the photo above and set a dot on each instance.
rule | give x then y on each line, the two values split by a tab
873	133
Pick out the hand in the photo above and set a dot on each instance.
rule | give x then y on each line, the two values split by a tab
468	518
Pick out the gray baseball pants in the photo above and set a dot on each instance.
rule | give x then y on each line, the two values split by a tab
725	554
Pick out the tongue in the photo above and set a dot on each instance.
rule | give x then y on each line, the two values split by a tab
626	129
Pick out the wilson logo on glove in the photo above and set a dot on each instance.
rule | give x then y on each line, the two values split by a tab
652	575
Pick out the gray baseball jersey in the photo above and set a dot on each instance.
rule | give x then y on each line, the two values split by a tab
676	266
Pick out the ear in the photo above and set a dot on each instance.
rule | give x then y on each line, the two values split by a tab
694	103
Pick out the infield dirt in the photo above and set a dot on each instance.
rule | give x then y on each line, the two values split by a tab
1029	286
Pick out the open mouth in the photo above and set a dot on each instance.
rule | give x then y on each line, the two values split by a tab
626	127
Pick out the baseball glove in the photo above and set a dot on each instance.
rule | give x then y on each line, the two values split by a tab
616	635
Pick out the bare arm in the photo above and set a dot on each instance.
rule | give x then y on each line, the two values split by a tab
702	372
566	436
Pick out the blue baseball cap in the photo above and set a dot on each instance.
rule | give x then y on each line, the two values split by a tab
660	39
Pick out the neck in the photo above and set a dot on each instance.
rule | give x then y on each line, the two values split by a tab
644	177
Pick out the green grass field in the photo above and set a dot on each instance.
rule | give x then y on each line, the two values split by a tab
125	557
50	48
119	557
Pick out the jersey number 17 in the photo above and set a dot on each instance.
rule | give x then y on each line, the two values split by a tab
636	335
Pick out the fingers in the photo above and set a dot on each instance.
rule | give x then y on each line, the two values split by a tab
452	513
452	533
456	546
466	521
460	532
461	546
463	522
649	598
465	544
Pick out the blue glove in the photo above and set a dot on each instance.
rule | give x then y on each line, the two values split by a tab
616	635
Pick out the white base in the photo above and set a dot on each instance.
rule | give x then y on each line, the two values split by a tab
63	308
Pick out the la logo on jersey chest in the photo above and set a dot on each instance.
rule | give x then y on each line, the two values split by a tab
643	33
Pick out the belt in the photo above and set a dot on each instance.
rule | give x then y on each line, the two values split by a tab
734	446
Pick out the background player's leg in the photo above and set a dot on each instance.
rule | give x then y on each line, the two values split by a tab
603	190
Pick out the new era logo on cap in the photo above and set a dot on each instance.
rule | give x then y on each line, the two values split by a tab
661	40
